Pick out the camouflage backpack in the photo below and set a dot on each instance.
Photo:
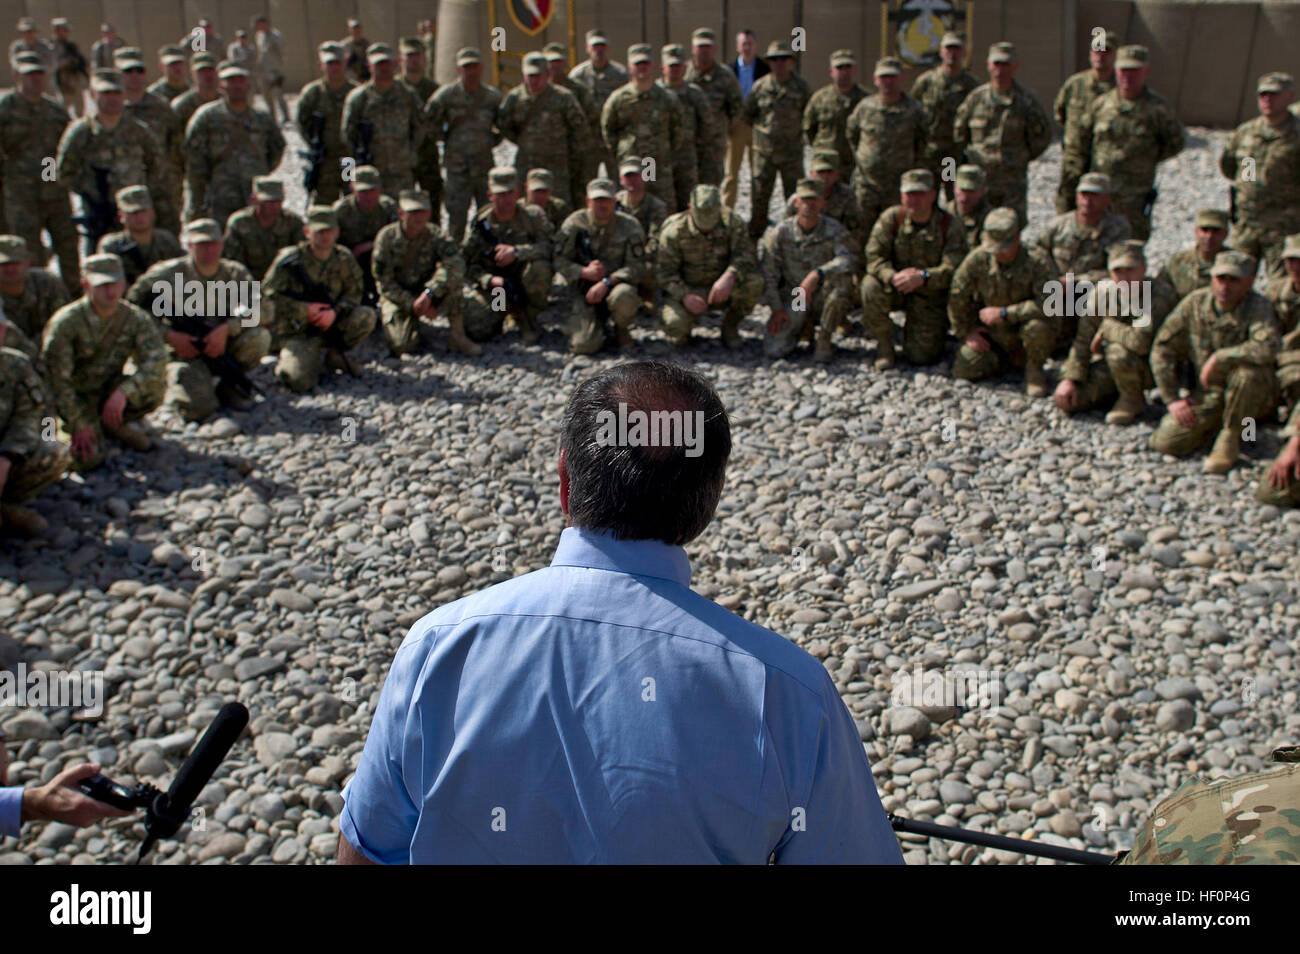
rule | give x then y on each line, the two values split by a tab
1251	819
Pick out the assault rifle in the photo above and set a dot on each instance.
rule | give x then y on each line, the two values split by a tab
989	840
361	149
512	274
314	154
317	292
586	255
98	211
131	255
224	366
363	67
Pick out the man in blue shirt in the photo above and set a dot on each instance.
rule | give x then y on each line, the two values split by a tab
748	67
600	711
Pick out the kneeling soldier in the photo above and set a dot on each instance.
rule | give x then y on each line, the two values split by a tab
419	272
141	244
600	252
28	464
913	251
1280	485
256	233
807	262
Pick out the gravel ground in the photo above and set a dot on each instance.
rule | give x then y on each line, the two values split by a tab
1131	612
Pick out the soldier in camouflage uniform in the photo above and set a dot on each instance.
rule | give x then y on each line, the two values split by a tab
723	91
970	202
1228	335
203	38
523	237
1076	95
1076	242
174	82
651	213
1001	127
706	260
28	297
826	117
428	169
616	267
420	273
1284	294
538	186
1280	485
995	306
1263	159
310	332
31	125
326	96
236	330
463	116
600	76
355	46
696	119
838	201
109	139
807	262
941	90
774	110
360	216
256	233
156	114
397	128
101	51
203	67
28	464
86	345
887	133
228	144
1112	344
557	66
914	249
30	42
70	67
547	125
1189	269
140	244
643	119
1126	134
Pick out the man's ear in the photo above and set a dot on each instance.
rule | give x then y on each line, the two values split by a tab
564	483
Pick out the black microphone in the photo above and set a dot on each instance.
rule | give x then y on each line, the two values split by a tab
171	808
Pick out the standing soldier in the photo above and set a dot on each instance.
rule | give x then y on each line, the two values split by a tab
28	463
203	68
807	262
1228	334
86	347
887	133
71	69
203	39
1189	269
970	202
419	273
1076	95
256	233
320	113
463	116
355	46
194	387
696	116
723	90
156	115
826	119
650	213
30	42
227	145
429	37
102	50
312	294
642	119
995	306
1001	126
31	125
173	82
600	254
914	249
940	91
557	65
705	260
537	189
428	170
547	125
242	51
270	67
774	111
140	245
29	297
385	112
601	76
359	217
1263	159
1125	133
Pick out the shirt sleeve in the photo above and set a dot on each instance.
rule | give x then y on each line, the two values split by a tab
11	811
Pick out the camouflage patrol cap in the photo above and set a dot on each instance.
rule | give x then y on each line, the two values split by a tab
843	58
1126	254
706	206
127	53
330	53
29	63
1097	182
13	248
102	270
205	21
971	177
353	22
1132	57
703	36
1110	41
25	24
630	164
541	178
414	200
502	179
824	160
321	217
106	81
1212	219
410	44
601	189
467	55
202	230
595	37
1003	52
268	189
365	178
133	198
228	69
379	52
779	50
674	54
889	66
59	23
554	52
952	38
1234	263
917	180
1291	248
171	53
640	53
1001	227
1275	83
534	64
241	34
808	189
203	61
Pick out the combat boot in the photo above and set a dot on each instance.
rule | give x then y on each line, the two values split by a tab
459	341
885	355
529	328
731	330
822	350
337	360
1126	410
1035	381
623	337
132	436
22	521
1224	455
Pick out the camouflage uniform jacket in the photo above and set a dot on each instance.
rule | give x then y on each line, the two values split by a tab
354	55
1126	139
619	245
1196	329
29	132
43	295
1129	327
549	136
129	150
1081	249
650	214
555	210
842	206
421	89
1185	272
1002	130
887	139
1269	188
256	246
22	402
226	299
398	127
339	272
404	267
466	122
600	83
775	111
941	95
225	150
825	121
156	113
973	222
83	356
165	91
586	102
357	225
162	246
1280	292
645	124
689	258
787	254
723	90
316	97
696	122
1076	95
528	230
184	107
982	281
896	242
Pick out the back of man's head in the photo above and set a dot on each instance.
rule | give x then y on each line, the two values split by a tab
646	447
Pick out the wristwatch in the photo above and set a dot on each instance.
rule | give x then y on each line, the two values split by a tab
608	283
925	275
1004	312
820	274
